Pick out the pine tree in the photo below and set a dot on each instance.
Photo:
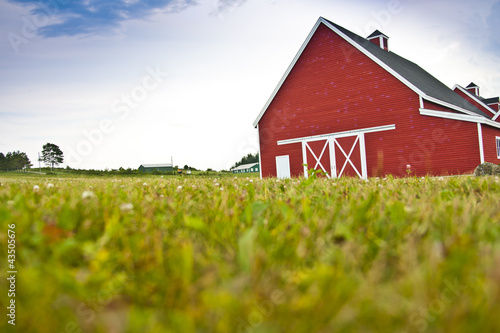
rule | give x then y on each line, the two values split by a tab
52	155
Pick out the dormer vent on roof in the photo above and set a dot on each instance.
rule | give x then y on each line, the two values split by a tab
493	103
473	88
379	39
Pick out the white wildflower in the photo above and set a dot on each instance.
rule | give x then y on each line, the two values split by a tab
87	194
36	188
50	185
179	188
125	207
145	184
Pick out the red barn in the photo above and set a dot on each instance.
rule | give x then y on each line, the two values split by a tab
349	106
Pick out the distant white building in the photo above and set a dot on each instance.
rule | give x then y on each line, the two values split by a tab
246	168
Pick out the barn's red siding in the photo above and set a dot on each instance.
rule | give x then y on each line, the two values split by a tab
436	107
333	87
489	143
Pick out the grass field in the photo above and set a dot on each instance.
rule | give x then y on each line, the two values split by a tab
188	254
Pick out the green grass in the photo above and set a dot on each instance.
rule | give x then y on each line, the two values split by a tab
190	254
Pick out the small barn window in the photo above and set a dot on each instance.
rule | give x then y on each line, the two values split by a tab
498	146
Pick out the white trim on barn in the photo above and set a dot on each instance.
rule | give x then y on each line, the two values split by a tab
338	134
448	105
496	116
449	115
260	161
462	117
480	138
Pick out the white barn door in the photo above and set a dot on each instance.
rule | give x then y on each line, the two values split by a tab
336	154
349	156
283	167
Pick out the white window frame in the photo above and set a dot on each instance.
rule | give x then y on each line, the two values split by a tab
498	146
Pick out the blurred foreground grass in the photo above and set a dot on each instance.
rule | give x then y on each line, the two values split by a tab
248	255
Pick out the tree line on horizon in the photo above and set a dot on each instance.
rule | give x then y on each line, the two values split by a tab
15	160
250	158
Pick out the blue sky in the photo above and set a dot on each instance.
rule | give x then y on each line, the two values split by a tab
126	82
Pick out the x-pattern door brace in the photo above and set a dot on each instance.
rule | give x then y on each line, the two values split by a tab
348	157
360	140
318	160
